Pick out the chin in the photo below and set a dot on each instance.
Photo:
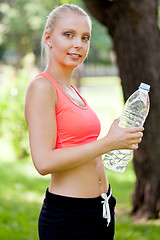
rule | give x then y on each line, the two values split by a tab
73	65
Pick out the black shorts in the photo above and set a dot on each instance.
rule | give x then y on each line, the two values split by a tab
68	218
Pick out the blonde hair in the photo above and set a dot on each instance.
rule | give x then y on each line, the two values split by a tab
50	23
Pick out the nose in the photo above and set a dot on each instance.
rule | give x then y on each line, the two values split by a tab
78	43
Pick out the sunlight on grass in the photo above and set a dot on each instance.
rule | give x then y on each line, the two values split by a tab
7	153
32	197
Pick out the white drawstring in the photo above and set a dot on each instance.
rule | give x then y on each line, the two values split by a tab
106	209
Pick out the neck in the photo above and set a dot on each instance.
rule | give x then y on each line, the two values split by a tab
62	75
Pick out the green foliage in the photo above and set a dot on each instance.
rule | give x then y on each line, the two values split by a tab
12	121
22	24
158	13
101	44
68	1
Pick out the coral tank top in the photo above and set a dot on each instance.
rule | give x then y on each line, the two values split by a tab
76	125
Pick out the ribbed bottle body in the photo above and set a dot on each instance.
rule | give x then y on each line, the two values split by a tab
134	115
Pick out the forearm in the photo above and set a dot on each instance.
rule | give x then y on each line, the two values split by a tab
48	160
56	160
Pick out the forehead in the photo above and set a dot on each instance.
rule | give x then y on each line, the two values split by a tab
73	21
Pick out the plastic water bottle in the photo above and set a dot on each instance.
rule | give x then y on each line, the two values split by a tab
134	115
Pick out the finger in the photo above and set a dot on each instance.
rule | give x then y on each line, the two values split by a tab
134	147
136	135
117	120
136	129
136	141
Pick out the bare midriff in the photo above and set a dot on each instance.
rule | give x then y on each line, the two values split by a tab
86	181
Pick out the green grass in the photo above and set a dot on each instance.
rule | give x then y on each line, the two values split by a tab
22	191
22	188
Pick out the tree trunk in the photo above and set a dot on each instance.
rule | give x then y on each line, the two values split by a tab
136	37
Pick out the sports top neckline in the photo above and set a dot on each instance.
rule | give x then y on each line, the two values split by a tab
46	75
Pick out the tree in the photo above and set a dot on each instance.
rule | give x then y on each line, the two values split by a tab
22	24
133	26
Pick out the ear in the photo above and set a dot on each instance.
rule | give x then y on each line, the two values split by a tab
47	38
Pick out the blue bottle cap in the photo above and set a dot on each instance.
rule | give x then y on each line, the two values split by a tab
144	86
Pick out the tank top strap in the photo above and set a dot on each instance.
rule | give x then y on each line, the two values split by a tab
61	92
46	75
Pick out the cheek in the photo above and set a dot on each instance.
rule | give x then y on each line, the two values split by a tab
59	50
87	49
60	45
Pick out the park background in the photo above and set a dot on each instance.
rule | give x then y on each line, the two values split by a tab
22	188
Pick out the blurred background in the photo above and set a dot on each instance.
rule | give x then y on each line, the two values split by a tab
98	80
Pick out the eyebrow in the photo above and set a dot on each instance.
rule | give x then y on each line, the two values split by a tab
72	30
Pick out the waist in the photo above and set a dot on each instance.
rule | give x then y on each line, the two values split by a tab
86	181
67	203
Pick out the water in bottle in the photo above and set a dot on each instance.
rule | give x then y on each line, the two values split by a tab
134	114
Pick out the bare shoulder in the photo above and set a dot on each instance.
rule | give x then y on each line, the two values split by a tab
41	94
42	85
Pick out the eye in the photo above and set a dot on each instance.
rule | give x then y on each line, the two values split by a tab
68	35
86	38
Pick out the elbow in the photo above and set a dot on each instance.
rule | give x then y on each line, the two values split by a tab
42	170
41	167
42	162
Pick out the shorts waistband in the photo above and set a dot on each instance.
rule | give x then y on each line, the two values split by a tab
67	202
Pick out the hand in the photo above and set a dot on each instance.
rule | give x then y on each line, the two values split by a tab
124	138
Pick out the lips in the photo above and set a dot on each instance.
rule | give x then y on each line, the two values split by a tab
74	55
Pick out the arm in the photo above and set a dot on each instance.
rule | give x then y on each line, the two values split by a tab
41	100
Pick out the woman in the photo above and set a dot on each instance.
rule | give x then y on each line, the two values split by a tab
63	132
